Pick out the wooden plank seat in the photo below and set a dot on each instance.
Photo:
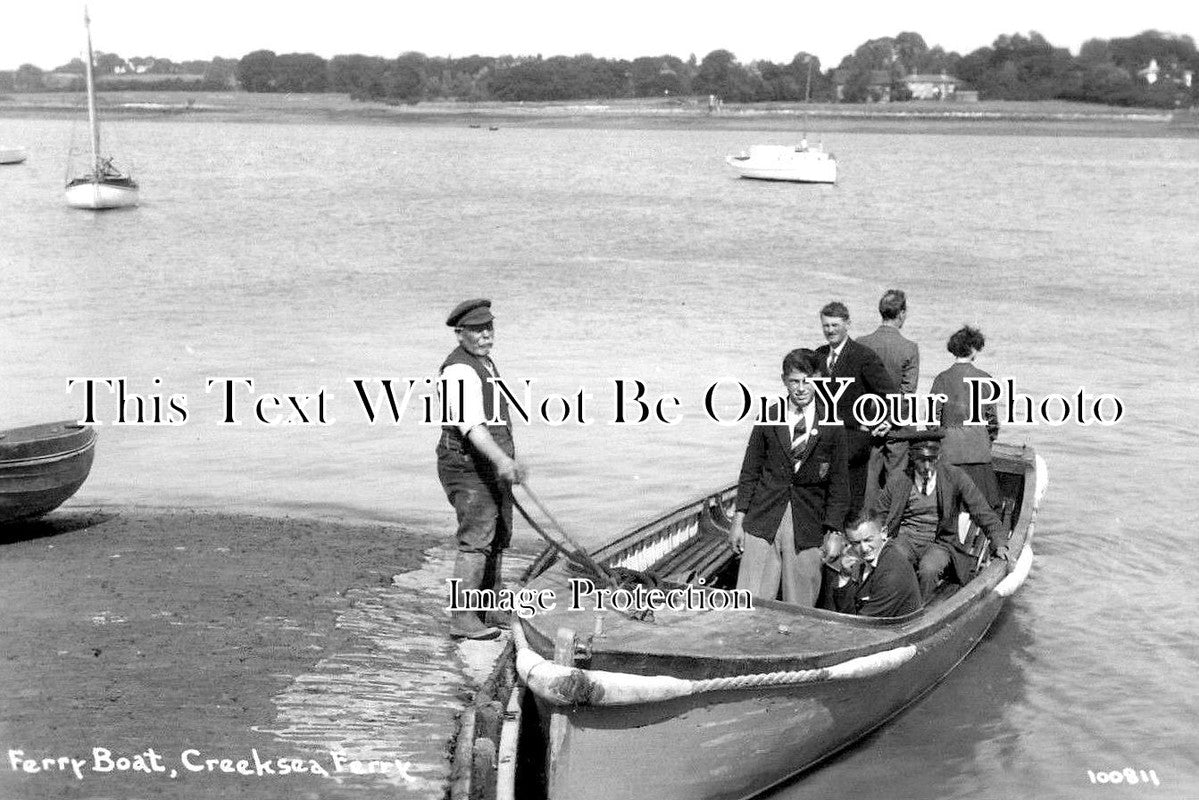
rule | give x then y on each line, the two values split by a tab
704	549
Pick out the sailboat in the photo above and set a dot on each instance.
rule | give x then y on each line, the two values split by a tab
104	186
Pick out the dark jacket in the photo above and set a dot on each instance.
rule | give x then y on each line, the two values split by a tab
818	491
955	493
964	444
891	588
869	377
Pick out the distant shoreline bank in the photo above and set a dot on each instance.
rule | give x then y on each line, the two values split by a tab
1045	118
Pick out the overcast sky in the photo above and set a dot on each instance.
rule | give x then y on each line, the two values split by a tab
48	33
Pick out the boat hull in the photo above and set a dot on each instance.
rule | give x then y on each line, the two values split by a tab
822	173
98	195
779	163
12	155
723	705
737	744
41	466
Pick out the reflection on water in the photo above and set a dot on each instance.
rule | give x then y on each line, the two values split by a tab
957	738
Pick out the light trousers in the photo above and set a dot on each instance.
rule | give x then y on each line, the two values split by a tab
771	569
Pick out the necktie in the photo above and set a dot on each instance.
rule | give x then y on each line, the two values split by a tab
797	433
797	440
832	360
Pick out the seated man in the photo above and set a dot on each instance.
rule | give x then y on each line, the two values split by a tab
921	505
886	585
792	489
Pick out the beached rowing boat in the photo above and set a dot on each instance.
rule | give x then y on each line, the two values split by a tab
719	703
41	466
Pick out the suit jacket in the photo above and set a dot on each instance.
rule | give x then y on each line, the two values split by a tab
964	444
891	588
818	492
899	354
955	493
869	377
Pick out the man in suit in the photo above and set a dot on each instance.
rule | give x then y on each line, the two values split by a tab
921	506
886	586
791	490
842	357
901	356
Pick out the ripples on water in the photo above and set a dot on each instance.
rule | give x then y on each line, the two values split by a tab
306	256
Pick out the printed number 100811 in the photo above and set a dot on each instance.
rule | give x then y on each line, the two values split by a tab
1127	775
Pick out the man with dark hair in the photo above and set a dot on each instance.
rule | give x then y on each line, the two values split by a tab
921	506
791	490
476	463
842	357
901	356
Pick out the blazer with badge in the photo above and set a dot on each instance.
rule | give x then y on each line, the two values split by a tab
818	492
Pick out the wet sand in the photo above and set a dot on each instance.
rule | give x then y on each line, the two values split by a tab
169	639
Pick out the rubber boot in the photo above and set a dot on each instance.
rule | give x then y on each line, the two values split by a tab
493	578
468	569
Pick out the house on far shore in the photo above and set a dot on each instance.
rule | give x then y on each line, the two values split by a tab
1176	73
935	87
1149	74
880	84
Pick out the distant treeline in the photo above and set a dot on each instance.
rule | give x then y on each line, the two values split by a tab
1150	69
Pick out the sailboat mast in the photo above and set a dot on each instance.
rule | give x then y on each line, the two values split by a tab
91	94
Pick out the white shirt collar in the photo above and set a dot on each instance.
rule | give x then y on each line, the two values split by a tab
808	413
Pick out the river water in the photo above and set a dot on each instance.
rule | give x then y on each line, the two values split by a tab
307	257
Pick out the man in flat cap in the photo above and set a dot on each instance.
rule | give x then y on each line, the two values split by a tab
920	506
476	463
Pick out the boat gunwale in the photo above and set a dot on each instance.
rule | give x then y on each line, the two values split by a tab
49	458
913	628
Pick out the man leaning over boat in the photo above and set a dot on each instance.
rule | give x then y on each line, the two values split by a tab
792	489
476	463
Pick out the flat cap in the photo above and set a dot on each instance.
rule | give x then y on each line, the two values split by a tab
470	312
923	442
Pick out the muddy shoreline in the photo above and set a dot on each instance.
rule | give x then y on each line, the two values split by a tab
1048	118
203	636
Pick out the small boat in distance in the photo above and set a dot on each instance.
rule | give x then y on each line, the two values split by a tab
12	155
103	186
777	162
41	466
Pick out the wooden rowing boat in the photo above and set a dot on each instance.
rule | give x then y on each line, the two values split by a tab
41	466
725	704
